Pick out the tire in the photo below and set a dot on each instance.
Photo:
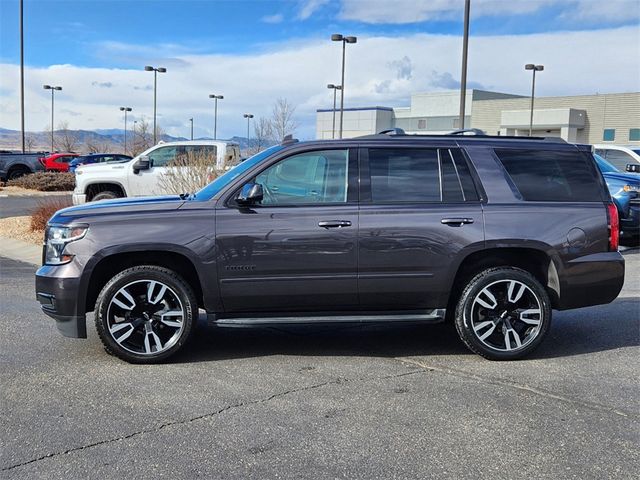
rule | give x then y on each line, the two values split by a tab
145	314
17	172
106	195
503	313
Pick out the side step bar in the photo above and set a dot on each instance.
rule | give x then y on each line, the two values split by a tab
433	316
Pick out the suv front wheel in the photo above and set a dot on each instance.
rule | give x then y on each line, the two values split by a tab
145	314
503	313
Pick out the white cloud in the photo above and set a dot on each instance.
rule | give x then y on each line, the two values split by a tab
309	7
380	71
275	18
412	11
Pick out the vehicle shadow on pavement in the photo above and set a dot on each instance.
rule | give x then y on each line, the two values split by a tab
588	330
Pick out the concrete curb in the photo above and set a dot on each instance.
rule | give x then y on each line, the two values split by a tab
22	251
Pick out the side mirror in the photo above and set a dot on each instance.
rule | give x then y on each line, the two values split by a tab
633	167
143	163
251	193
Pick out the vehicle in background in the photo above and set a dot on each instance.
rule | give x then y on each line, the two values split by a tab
97	158
625	190
58	162
14	164
618	155
142	175
490	233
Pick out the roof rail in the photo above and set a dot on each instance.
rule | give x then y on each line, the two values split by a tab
465	131
392	131
289	140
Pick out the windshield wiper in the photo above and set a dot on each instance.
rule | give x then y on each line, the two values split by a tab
184	196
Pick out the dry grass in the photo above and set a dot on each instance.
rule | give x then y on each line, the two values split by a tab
19	228
46	181
44	211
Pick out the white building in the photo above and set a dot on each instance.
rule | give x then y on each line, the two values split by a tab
585	119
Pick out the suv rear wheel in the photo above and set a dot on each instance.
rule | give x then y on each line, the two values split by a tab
145	314
503	313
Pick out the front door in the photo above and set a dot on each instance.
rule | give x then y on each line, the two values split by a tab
419	209
296	250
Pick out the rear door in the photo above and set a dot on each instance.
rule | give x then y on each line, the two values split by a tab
419	209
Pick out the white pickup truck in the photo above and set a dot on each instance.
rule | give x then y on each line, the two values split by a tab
141	176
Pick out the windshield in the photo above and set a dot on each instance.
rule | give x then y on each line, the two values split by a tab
208	192
603	165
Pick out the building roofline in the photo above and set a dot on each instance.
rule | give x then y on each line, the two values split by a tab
356	109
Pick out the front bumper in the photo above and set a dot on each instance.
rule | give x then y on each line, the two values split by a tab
630	225
58	291
79	198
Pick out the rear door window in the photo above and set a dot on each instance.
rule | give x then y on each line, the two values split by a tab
552	176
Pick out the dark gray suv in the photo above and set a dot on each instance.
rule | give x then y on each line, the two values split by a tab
491	233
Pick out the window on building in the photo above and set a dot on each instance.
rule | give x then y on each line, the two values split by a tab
634	134
422	124
609	135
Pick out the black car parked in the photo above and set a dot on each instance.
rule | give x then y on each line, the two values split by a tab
491	233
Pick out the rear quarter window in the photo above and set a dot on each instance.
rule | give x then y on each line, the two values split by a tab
552	176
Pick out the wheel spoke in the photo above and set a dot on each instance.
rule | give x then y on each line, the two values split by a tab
515	291
491	304
531	321
159	296
131	303
157	343
172	323
488	332
119	327
507	335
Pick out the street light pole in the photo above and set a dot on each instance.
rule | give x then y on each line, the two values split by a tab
22	73
337	37
334	88
534	68
125	110
215	114
248	116
155	87
53	89
191	120
463	79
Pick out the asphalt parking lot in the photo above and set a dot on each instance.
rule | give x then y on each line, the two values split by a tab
396	402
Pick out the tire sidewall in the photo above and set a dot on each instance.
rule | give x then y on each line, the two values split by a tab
465	305
179	286
107	195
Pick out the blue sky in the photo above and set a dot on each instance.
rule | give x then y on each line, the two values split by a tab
213	43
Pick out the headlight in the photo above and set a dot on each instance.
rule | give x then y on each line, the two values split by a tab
57	238
631	188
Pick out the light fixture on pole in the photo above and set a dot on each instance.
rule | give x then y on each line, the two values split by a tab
191	120
463	78
334	88
337	37
53	89
215	114
534	68
125	110
155	85
248	116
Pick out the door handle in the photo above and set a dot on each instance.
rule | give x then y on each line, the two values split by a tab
334	223
456	222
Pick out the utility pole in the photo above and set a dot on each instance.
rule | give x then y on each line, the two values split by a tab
463	79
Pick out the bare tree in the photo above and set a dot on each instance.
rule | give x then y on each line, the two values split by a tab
142	137
262	136
66	140
29	142
188	173
92	146
282	122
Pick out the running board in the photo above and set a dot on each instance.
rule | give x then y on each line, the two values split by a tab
434	316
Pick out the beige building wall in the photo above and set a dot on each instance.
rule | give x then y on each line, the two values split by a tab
620	111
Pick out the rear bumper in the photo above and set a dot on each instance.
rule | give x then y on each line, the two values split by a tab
58	295
591	280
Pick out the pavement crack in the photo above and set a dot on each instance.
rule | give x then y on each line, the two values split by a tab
518	386
337	381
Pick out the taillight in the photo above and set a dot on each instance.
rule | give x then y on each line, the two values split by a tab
42	162
614	227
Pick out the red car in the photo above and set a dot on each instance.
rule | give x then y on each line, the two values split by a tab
58	162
